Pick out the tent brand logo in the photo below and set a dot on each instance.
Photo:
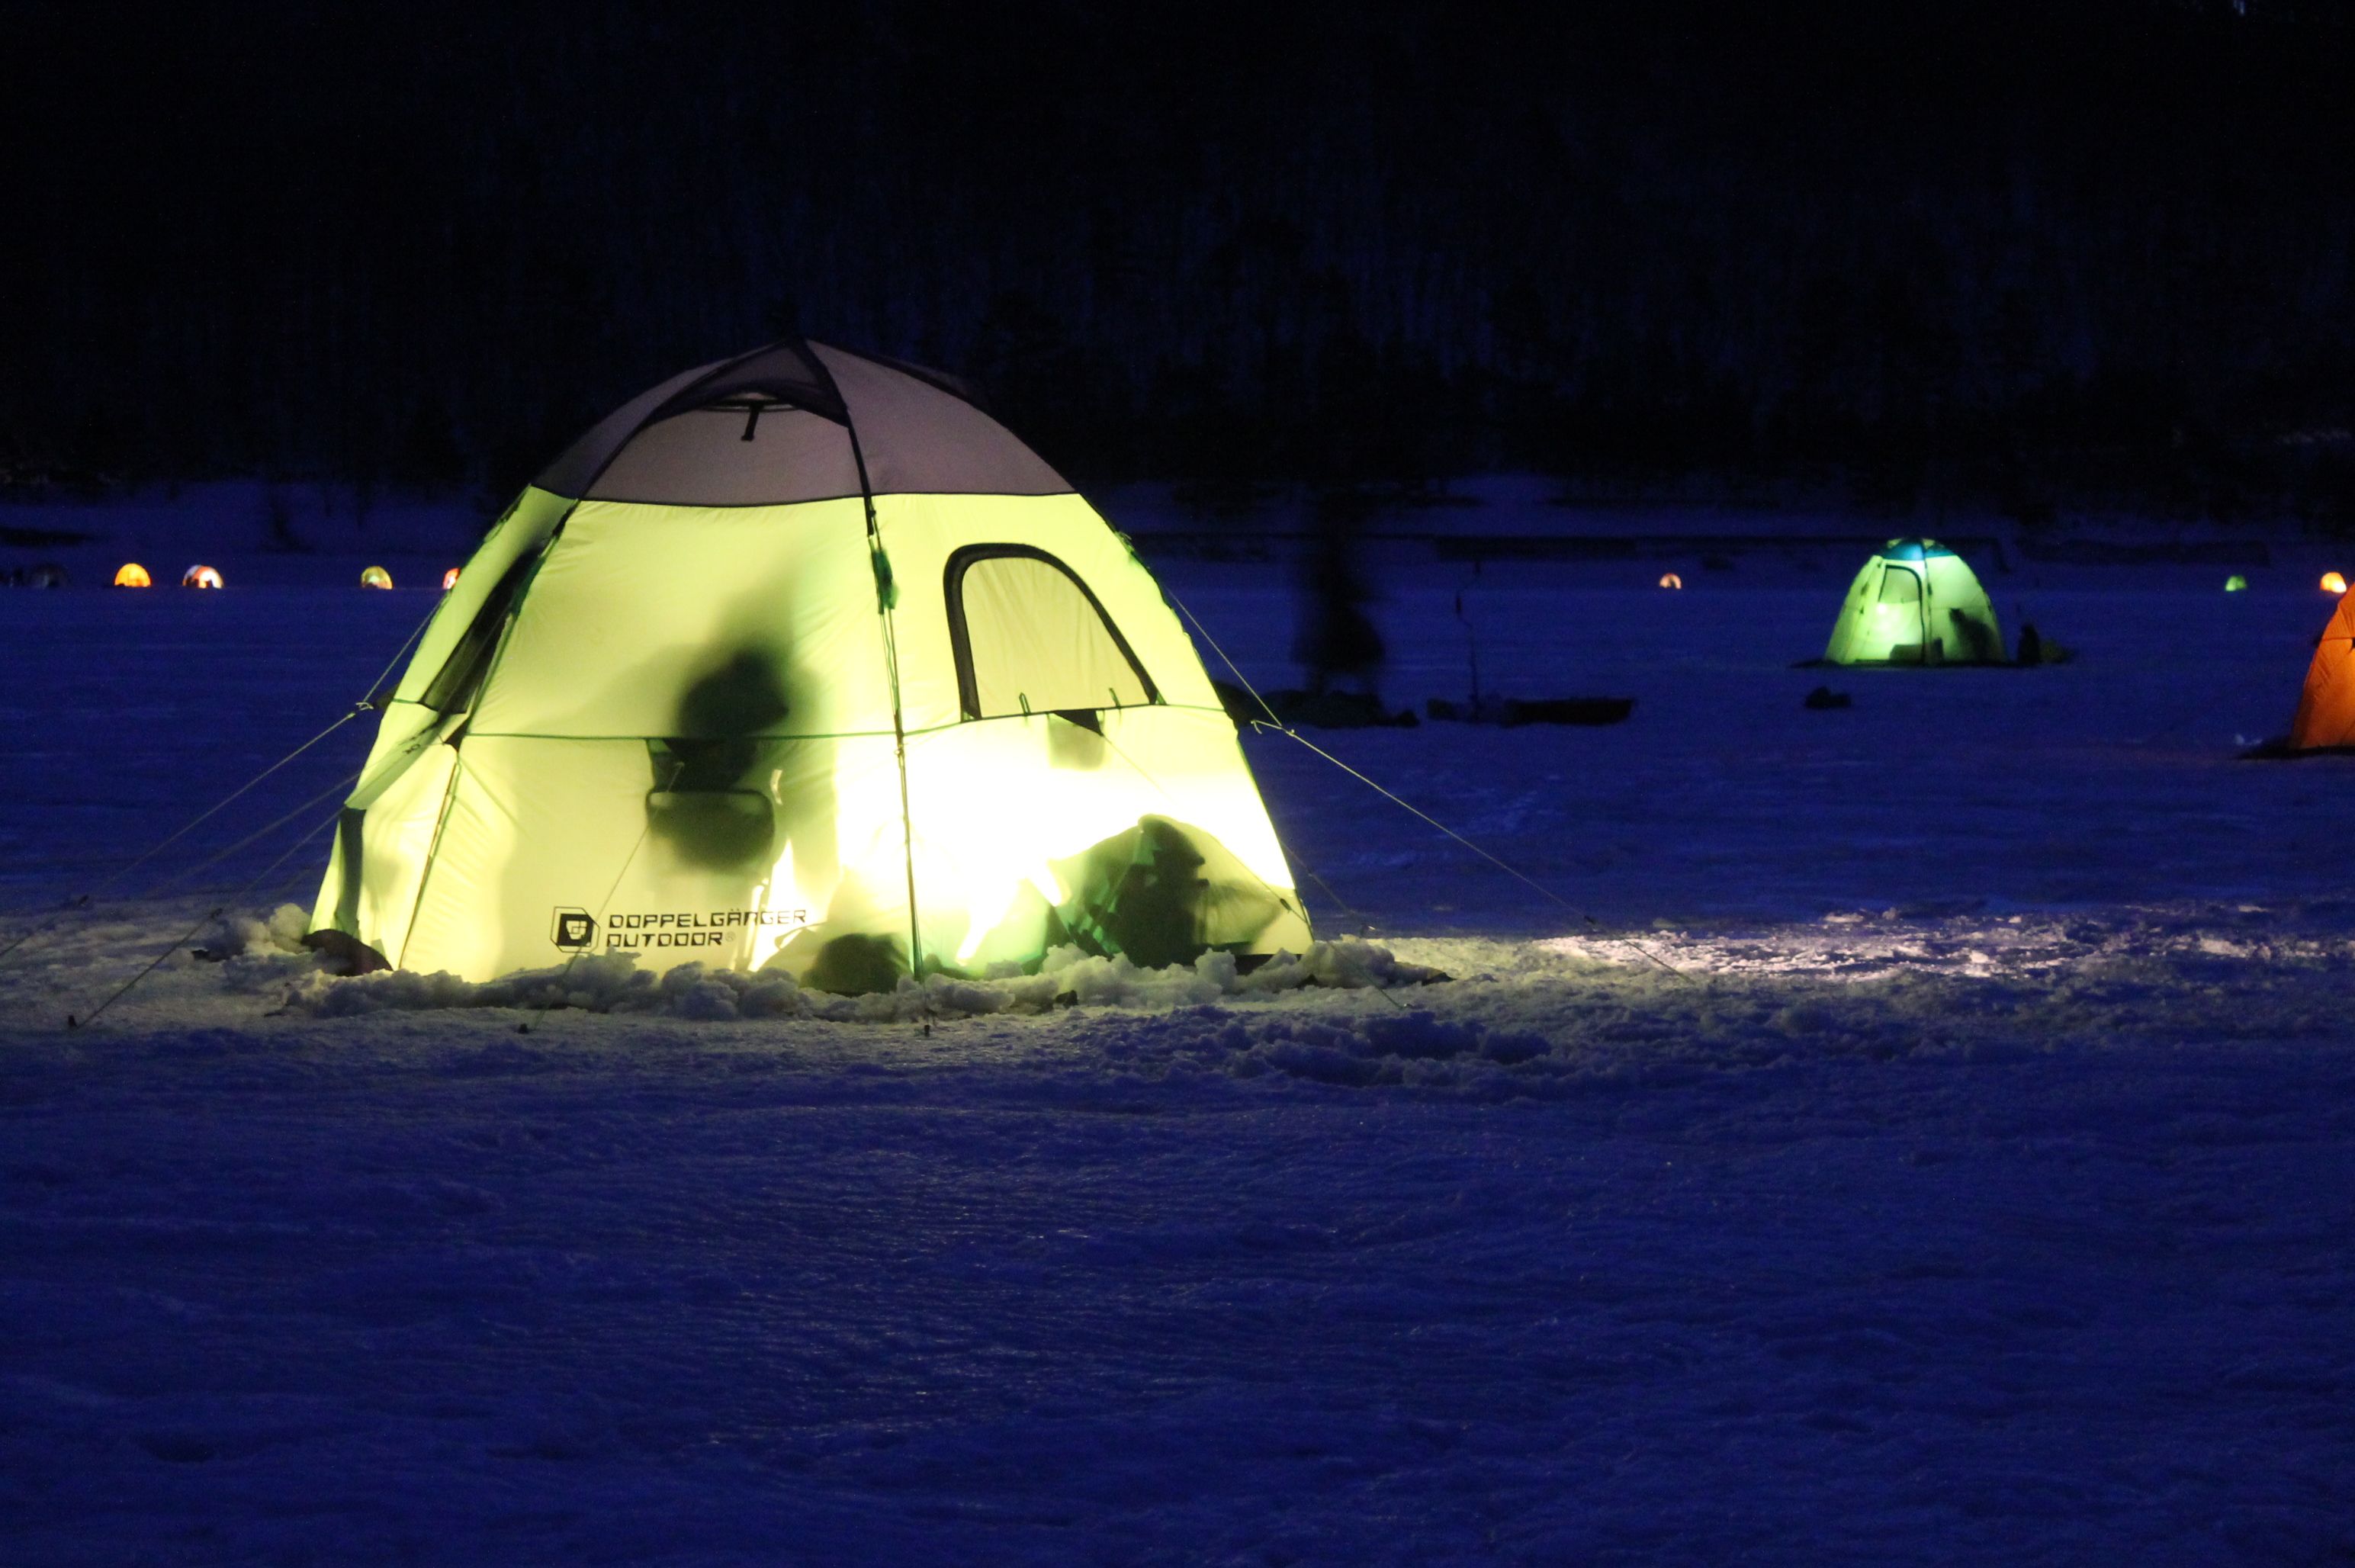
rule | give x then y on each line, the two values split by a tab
631	933
573	928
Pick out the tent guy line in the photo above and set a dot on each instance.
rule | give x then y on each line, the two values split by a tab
72	1022
1512	871
1280	728
216	913
262	832
81	900
376	691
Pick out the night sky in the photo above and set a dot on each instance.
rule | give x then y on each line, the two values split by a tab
2021	256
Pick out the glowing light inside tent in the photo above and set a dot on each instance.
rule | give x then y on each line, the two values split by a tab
376	577
449	580
2333	584
1671	579
200	577
133	575
2236	583
469	845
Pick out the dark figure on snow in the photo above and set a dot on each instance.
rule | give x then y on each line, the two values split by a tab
1980	642
1336	643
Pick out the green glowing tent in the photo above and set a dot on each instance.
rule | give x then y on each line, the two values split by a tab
1915	602
800	661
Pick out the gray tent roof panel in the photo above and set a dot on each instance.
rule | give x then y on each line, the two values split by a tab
571	473
921	439
773	426
701	458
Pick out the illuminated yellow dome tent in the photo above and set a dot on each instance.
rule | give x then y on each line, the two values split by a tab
1915	602
800	661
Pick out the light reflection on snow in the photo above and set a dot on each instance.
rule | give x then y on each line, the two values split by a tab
1865	945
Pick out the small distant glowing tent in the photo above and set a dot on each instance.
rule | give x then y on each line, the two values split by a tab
1915	602
449	580
131	574
1671	579
2236	583
801	663
2333	584
2326	707
376	577
200	577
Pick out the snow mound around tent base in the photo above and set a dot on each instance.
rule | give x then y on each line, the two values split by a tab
278	935
614	983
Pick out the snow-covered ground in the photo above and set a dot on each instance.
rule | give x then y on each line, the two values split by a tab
1920	1132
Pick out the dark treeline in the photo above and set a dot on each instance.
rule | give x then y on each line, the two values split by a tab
2029	254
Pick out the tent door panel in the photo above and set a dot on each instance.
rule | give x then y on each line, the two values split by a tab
1902	625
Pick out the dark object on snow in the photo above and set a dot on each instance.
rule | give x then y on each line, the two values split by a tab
1332	710
2034	649
1511	711
1824	698
344	954
2285	749
1318	710
1241	704
1336	643
42	574
1979	636
858	964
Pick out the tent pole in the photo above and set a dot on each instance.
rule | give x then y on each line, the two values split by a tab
885	590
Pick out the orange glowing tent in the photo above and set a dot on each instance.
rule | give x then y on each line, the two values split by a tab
200	577
2326	709
133	575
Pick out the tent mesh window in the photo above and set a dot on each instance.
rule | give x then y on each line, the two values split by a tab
1030	638
1898	586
